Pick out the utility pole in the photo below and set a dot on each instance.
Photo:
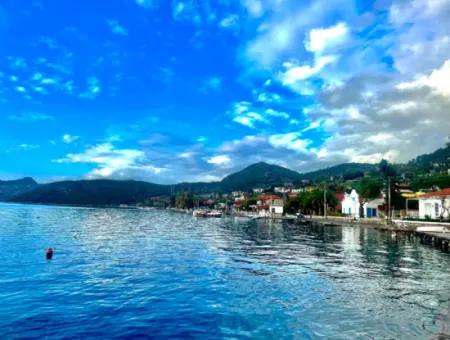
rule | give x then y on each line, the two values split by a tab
325	200
389	201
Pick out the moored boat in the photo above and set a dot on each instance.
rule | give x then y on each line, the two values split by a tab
214	213
199	213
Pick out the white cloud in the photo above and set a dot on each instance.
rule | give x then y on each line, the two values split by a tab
116	28
438	80
68	139
112	162
296	73
220	160
321	39
290	141
245	113
254	7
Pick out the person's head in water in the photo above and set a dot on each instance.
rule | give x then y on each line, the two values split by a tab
49	253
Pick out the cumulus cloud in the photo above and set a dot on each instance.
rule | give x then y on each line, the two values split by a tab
438	80
219	160
111	162
321	39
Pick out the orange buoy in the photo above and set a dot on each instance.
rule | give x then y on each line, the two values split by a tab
49	253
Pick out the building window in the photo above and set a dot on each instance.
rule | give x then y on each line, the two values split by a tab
436	209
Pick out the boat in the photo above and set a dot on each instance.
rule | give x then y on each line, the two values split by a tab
214	213
206	213
199	213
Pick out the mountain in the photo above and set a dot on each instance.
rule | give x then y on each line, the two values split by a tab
345	171
259	175
437	160
93	192
111	192
16	187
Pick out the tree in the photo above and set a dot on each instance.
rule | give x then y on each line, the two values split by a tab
312	202
292	204
184	200
386	169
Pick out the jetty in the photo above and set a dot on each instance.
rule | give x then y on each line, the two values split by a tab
438	240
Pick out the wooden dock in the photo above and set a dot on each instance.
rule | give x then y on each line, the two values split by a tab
438	240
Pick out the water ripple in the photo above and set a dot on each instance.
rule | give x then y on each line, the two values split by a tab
130	273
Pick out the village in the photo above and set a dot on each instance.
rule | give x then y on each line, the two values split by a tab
323	200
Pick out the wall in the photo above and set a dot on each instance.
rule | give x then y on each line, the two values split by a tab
432	207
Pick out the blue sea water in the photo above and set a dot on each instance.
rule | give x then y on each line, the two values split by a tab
134	273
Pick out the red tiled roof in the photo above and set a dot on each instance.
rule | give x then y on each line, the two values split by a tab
268	197
445	192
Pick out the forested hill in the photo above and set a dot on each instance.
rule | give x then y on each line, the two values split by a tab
112	192
259	175
16	187
345	171
439	159
93	192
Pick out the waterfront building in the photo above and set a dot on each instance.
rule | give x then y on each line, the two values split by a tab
351	205
270	205
435	205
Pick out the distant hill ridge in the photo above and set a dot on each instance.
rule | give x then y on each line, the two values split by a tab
16	187
113	192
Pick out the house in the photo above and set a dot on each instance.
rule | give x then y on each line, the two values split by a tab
270	205
351	205
297	190
372	208
282	190
258	190
435	205
238	195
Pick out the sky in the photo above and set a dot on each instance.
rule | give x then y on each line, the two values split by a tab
192	90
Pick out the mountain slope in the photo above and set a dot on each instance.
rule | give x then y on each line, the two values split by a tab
92	192
259	175
346	171
111	192
439	159
10	189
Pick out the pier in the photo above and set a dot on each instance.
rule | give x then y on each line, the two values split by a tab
438	240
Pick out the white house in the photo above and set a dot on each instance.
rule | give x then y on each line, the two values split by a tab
270	205
282	190
372	208
435	204
351	205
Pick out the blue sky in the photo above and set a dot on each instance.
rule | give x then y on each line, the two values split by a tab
188	90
